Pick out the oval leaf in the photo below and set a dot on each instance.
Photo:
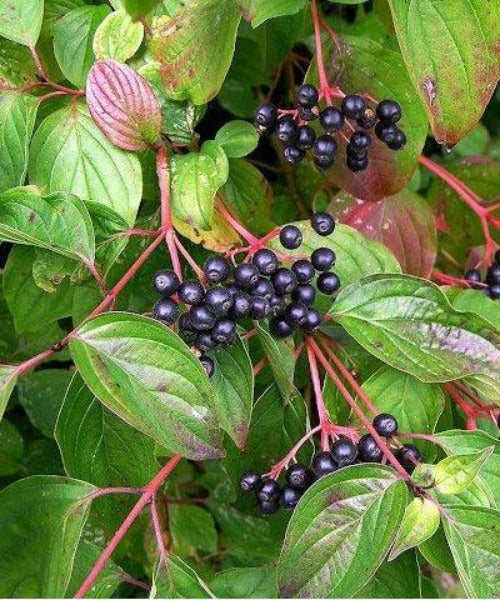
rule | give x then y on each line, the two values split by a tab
144	373
420	522
409	324
50	512
454	474
69	153
123	105
325	554
118	37
21	22
454	91
59	222
237	138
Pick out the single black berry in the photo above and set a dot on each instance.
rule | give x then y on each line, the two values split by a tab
323	161
304	293
191	292
290	237
313	320
325	145
305	137
328	283
250	481
304	270
354	152
344	452
398	141
259	308
166	282
268	491
276	305
224	331
353	106
284	281
263	288
265	118
298	477
217	269
208	364
323	464
307	114
357	165
323	223
279	328
219	301
493	275
331	119
289	497
385	133
286	130
166	311
293	155
265	261
204	342
360	140
241	304
388	111
296	313
408	455
474	277
201	318
307	95
494	291
368	449
367	120
385	424
323	259
185	324
268	507
246	275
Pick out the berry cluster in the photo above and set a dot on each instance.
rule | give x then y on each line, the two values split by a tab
271	495
492	280
259	289
292	129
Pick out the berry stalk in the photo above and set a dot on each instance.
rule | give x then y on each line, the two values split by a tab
323	78
324	419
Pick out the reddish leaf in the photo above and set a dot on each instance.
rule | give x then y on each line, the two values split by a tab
404	223
123	105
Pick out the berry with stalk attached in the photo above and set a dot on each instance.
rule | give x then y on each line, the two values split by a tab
331	119
353	106
307	95
250	481
166	311
265	118
298	477
368	449
265	261
323	464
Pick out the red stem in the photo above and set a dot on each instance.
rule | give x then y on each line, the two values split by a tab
113	490
149	491
155	518
469	412
98	278
381	443
324	419
323	79
236	225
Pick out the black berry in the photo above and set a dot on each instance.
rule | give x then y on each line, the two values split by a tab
204	342
286	130
494	291
290	237
385	133
304	293
344	452
408	455
268	507
265	118
305	137
293	155
323	162
353	106
268	491
298	477
191	292
360	140
241	304
265	261
331	119
325	145
276	305
385	424
307	114
250	481
246	276
304	270
328	283
323	259
208	364
323	223
263	288
493	275
356	165
259	308
389	111
473	276
166	282
219	301
185	324
284	281
368	449
289	497
201	318
296	313
224	331
166	311
398	141
367	120
307	95
313	320
216	269
323	464
279	328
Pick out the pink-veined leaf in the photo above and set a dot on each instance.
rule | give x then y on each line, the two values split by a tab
123	105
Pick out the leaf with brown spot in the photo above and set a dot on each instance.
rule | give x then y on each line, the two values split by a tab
123	105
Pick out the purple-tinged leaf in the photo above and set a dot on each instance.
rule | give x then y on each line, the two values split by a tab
123	105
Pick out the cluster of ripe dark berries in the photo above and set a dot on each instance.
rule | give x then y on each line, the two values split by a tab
492	280
297	136
271	495
256	290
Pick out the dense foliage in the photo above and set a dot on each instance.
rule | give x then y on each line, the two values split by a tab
249	327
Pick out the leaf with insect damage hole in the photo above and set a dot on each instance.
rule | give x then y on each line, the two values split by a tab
123	105
143	372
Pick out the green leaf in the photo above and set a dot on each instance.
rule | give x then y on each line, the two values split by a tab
11	449
195	48
375	67
192	529
420	522
118	37
475	301
16	65
176	579
98	447
139	8
455	473
17	121
258	11
454	91
437	553
237	138
21	22
73	36
325	553
143	372
400	578
234	382
69	153
8	378
474	538
195	181
356	256
409	324
245	582
59	222
281	358
41	519
41	394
